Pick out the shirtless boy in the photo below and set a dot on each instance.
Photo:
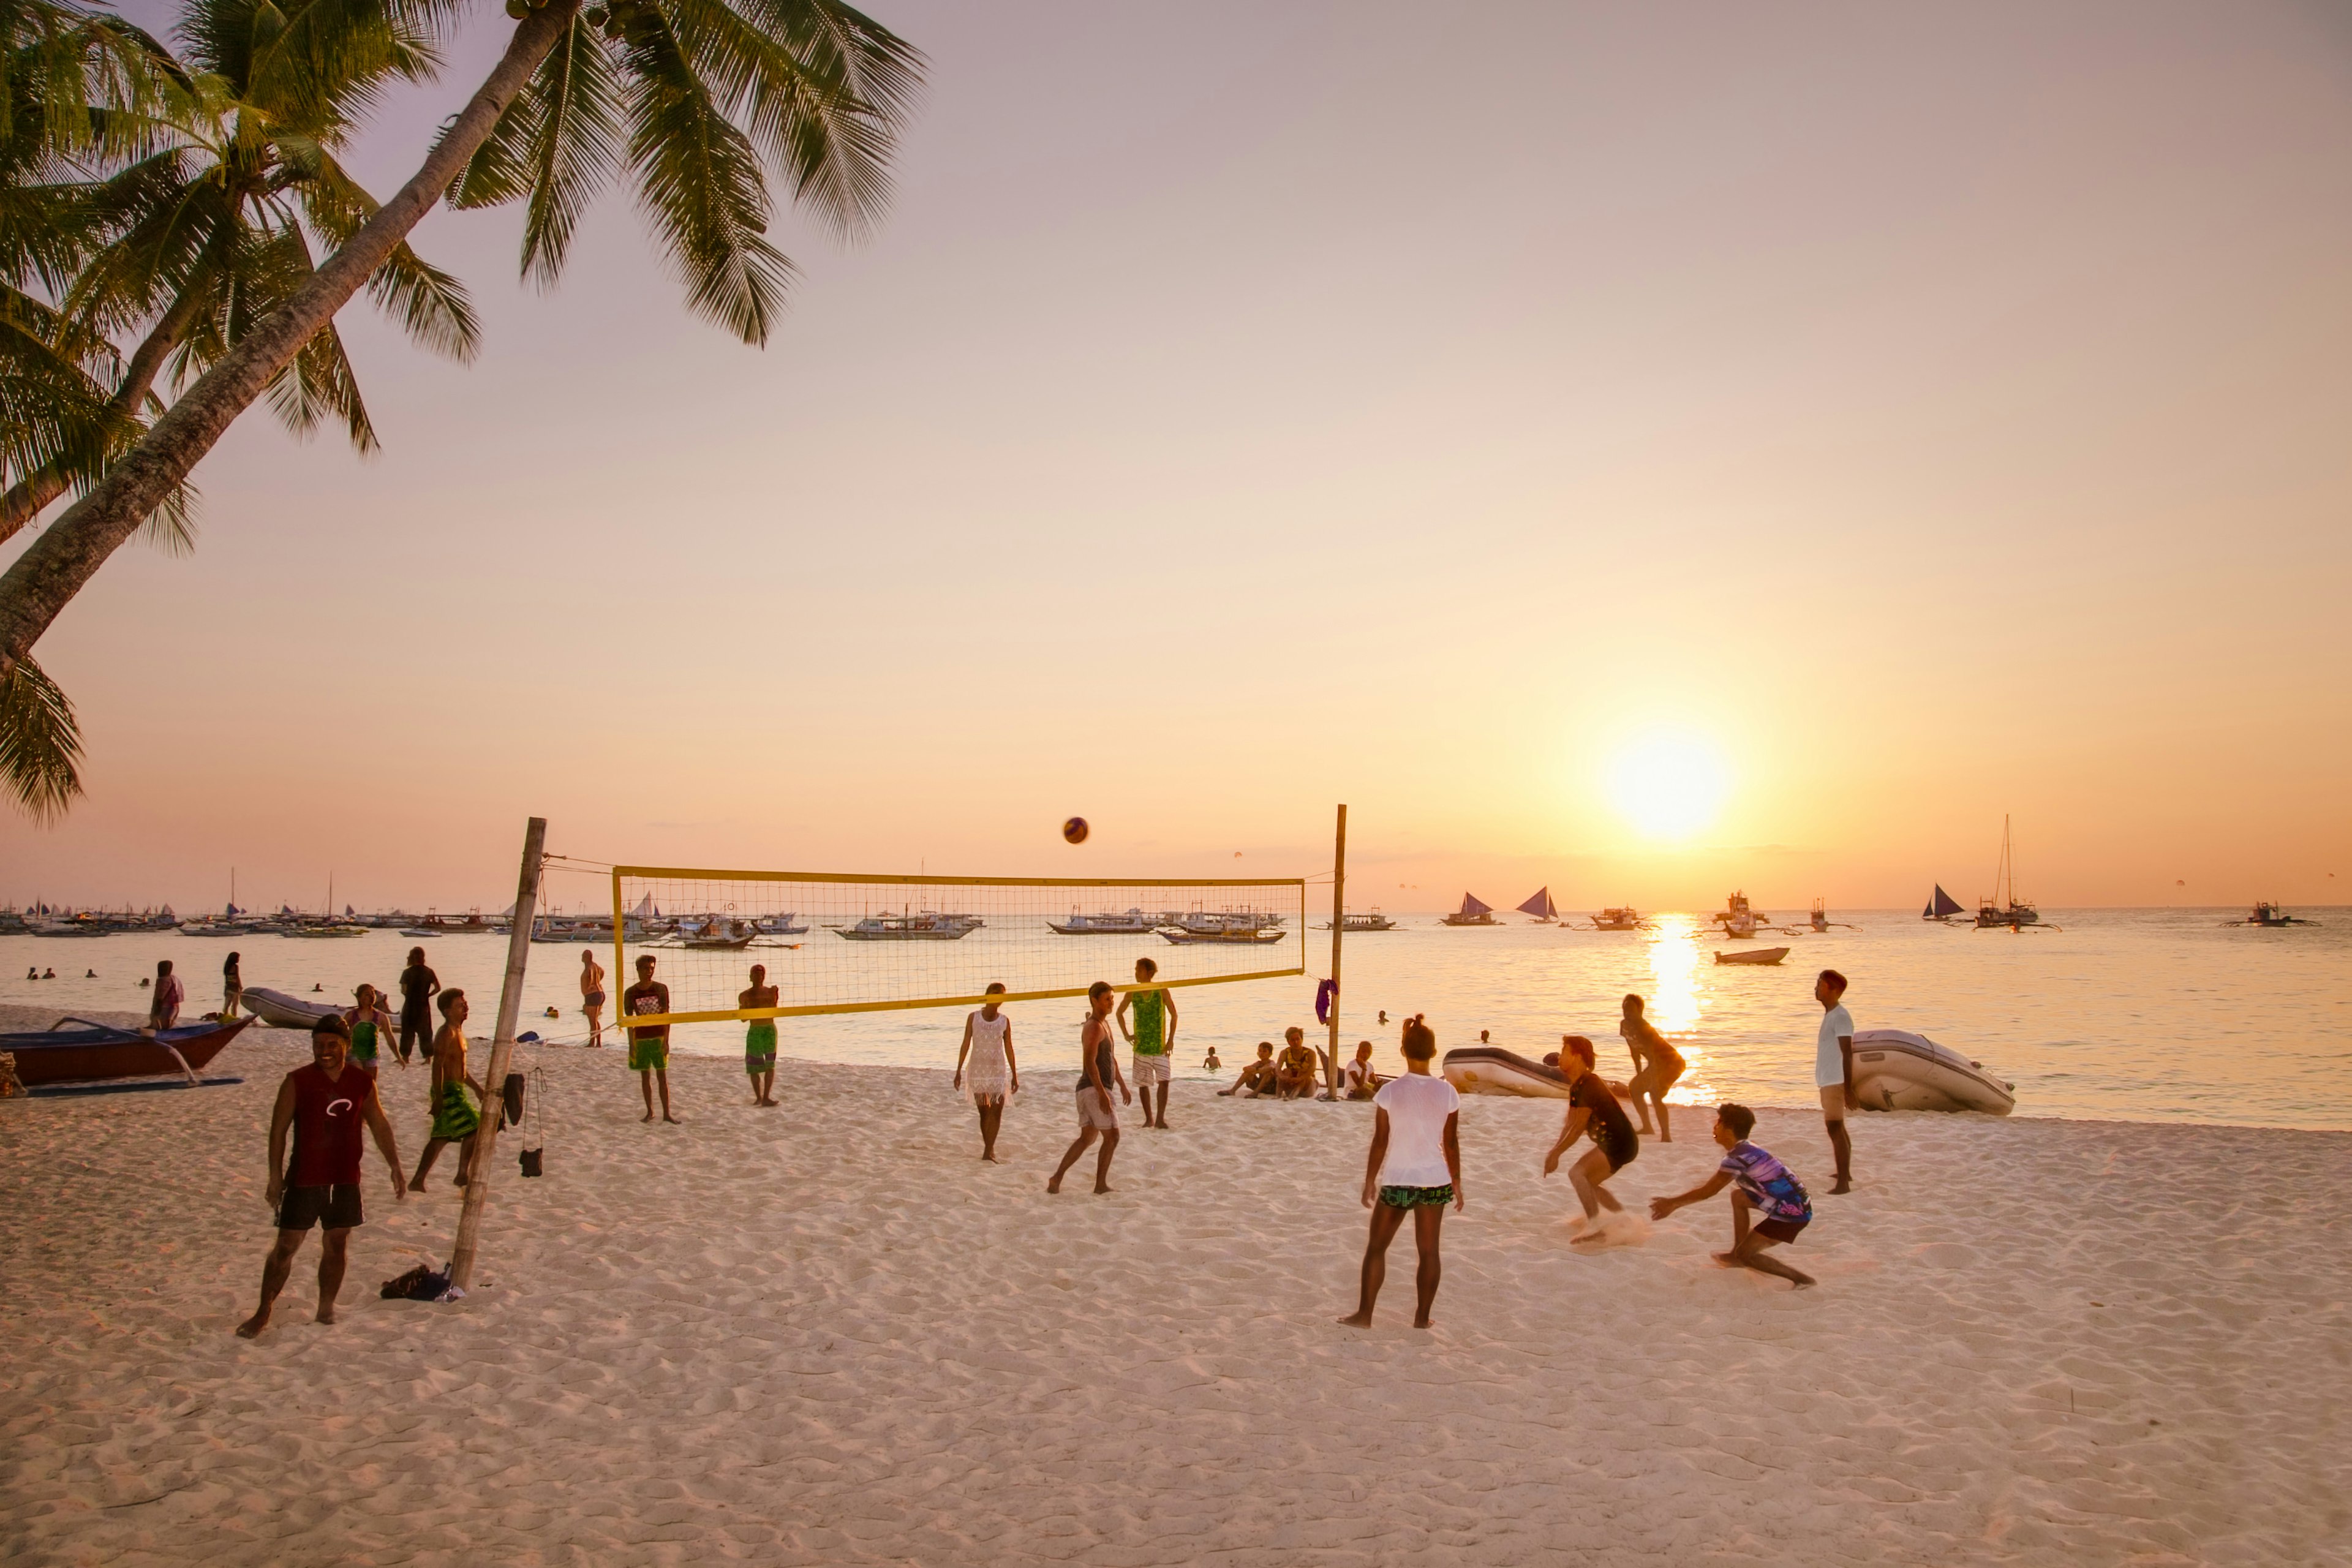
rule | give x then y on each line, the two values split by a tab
1657	1065
1098	1070
457	1098
1256	1077
324	1105
759	1039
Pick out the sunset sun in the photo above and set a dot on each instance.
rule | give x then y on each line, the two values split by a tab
1668	784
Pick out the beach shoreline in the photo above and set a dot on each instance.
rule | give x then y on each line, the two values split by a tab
829	1333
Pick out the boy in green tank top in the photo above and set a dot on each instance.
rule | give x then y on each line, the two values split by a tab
1153	1036
760	1036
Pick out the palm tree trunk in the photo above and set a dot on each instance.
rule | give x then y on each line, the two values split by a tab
25	499
44	580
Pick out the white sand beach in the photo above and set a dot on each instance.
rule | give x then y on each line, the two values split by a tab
829	1334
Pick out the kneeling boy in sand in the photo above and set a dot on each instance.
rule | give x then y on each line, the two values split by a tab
1415	1168
324	1104
1766	1190
1591	1107
1256	1077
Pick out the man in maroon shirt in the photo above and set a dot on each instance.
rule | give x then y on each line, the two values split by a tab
324	1104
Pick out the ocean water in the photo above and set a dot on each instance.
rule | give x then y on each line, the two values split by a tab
2125	1015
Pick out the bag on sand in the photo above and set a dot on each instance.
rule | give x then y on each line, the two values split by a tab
422	1283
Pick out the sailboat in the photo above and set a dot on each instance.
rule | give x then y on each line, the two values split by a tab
1472	912
1539	905
1941	906
2013	913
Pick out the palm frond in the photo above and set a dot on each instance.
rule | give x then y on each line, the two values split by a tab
429	304
700	182
557	145
40	744
823	89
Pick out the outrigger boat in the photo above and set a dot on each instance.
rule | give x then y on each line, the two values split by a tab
1472	912
1373	922
2270	913
1625	918
1539	905
926	927
1941	907
1245	936
96	1052
1134	922
1738	919
2016	914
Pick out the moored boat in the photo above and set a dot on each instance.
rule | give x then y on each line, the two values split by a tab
95	1052
1238	936
2271	913
2007	910
1626	917
1895	1069
280	1011
904	928
1353	921
1133	922
1751	955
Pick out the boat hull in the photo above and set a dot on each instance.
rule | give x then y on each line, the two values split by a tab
1222	938
97	1052
1753	956
279	1011
1490	1069
1895	1069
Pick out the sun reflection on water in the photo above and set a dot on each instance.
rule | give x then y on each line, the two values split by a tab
1674	1003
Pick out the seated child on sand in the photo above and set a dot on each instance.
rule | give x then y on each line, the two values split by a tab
1258	1076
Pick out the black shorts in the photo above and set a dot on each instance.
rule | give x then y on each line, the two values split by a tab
302	1207
1781	1230
1621	1150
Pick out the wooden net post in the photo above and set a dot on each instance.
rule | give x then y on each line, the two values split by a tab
1339	922
486	1141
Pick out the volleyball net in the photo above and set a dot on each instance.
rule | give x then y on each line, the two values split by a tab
833	943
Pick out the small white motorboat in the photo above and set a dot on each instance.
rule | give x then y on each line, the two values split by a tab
1752	956
1896	1070
280	1011
1490	1069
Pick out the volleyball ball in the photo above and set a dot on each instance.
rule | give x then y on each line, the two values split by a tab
1076	830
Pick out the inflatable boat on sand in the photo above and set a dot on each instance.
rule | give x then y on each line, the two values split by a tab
1897	1070
1490	1069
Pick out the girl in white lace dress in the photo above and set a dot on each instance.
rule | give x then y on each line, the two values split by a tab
985	1068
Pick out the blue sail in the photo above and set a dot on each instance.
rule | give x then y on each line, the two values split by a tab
1471	906
1942	904
1539	905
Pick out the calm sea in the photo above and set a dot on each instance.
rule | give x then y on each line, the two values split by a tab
2131	1015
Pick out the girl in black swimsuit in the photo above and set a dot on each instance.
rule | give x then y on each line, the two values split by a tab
1592	1109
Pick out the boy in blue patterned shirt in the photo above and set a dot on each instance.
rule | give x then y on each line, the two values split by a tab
1768	1207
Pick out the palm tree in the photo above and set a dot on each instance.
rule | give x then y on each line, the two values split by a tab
698	100
206	234
197	233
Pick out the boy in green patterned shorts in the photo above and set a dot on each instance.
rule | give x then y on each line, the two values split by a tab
1153	1036
760	1038
649	1048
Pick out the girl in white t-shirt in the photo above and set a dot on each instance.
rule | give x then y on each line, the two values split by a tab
1415	1168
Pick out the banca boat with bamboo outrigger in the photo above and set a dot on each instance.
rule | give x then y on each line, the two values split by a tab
1242	927
1624	918
93	1052
1353	921
1737	918
1104	923
1941	907
1473	913
924	927
2270	913
1539	905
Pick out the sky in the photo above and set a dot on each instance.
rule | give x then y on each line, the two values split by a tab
1850	424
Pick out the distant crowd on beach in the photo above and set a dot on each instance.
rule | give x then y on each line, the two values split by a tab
1412	1168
